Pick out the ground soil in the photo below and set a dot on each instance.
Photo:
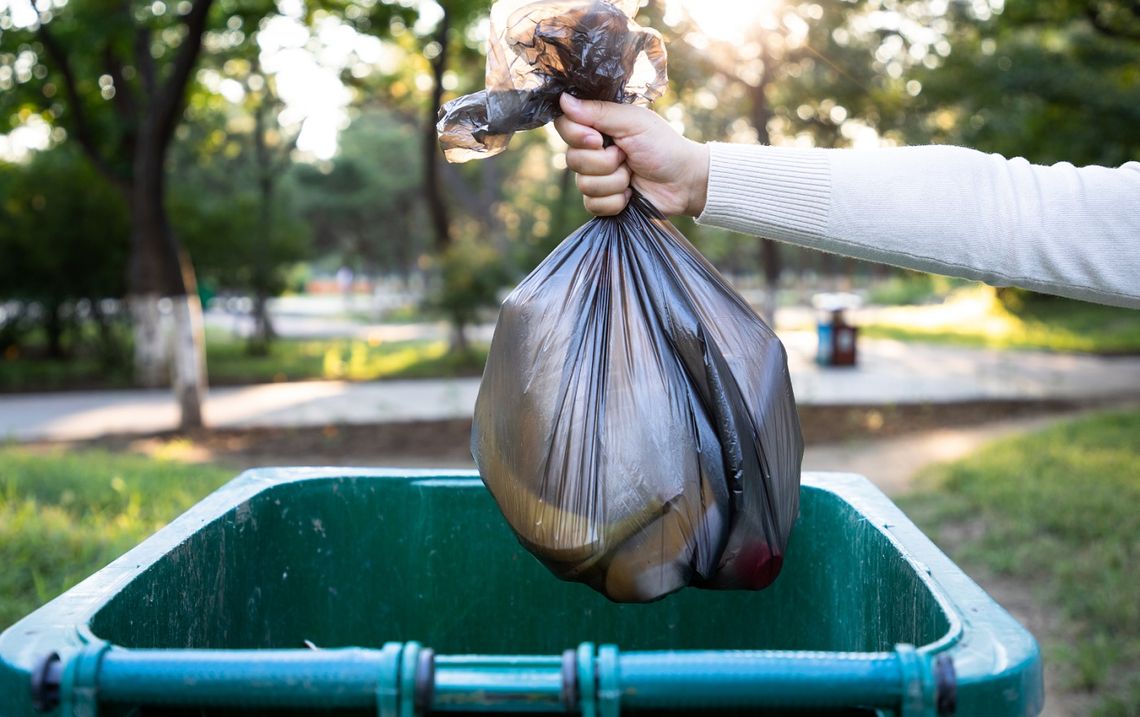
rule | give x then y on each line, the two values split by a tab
446	443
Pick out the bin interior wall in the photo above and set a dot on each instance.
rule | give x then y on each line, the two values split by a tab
363	561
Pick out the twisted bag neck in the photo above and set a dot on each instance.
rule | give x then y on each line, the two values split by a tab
591	49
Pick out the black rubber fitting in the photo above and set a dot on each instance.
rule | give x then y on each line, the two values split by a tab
45	683
425	680
946	685
570	680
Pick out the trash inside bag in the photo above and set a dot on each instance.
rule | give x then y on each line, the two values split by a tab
635	422
591	49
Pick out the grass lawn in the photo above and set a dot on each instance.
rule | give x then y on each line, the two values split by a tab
64	516
228	362
1058	513
350	359
974	317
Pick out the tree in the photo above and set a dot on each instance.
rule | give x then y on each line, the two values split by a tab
439	47
366	205
230	144
804	74
1050	82
115	77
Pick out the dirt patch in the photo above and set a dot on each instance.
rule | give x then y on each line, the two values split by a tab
833	424
446	444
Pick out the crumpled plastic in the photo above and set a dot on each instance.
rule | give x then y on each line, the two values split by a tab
538	50
635	423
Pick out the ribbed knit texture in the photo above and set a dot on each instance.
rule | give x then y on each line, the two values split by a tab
774	192
1057	229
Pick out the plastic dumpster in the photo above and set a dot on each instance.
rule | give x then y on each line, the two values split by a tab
340	591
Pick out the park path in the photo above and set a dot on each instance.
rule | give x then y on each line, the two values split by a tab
889	373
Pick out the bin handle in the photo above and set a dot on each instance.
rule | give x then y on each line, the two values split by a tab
407	679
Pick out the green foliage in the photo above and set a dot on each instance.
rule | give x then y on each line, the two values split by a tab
63	239
64	515
471	273
63	232
365	205
975	317
1056	511
222	232
1048	81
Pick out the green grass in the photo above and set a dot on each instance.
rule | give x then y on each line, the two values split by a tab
63	516
974	317
349	359
1058	512
229	362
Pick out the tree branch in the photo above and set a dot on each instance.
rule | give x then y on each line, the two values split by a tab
144	62
1092	12
168	102
80	122
125	99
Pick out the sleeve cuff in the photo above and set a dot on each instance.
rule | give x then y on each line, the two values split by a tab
781	193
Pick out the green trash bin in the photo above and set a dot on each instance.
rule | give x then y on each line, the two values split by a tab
345	591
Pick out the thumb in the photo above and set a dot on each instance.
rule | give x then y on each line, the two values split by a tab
616	120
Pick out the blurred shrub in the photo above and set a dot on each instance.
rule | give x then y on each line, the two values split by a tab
64	239
471	274
912	287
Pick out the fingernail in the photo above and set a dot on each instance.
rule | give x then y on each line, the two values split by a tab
571	100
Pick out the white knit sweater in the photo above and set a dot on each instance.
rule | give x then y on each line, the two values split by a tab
1058	229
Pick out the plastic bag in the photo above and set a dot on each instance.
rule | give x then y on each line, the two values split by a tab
635	422
538	51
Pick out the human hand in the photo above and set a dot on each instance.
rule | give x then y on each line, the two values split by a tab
670	171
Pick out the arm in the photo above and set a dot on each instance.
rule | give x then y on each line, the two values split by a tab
1059	229
949	210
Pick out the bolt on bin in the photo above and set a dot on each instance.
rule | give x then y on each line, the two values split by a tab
398	593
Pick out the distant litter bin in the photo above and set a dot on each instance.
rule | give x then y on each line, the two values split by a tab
838	340
347	591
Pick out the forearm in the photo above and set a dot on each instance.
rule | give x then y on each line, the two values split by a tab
949	210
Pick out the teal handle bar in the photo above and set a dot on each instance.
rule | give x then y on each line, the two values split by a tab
406	679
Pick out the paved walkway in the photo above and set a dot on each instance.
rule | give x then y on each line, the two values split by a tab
889	373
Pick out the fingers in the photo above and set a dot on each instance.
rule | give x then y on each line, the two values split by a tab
577	135
604	185
616	120
595	161
609	205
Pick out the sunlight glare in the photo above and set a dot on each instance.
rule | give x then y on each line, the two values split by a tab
726	20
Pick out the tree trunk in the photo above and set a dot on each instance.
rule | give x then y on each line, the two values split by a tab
263	331
53	325
159	269
151	357
459	343
189	360
433	191
769	250
262	327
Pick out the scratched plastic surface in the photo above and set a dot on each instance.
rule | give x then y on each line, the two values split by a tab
636	422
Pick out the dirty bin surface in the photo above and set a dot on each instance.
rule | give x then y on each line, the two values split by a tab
420	570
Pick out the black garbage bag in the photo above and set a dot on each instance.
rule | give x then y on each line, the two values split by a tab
635	423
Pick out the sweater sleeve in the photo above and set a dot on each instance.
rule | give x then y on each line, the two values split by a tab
949	210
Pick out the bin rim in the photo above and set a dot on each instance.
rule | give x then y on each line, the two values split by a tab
983	641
